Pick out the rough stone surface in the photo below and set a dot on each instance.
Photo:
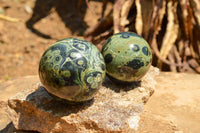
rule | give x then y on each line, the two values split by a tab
173	108
114	109
175	105
9	89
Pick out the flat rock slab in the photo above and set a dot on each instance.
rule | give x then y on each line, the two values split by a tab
113	109
175	105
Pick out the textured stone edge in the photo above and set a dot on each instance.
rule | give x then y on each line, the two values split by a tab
72	126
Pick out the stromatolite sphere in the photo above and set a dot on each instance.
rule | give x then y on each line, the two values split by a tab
127	56
72	69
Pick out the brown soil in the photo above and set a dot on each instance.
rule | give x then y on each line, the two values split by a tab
21	49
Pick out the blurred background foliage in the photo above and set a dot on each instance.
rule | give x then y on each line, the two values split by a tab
171	27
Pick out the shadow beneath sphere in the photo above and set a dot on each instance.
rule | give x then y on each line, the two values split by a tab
119	86
55	105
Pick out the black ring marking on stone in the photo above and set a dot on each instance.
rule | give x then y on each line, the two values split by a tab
62	48
77	42
91	90
51	64
70	67
135	48
135	64
93	74
72	51
125	35
128	34
145	50
84	65
57	58
108	58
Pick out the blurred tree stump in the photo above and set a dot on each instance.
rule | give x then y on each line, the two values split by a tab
171	27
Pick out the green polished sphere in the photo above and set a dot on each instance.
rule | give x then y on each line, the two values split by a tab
127	56
72	69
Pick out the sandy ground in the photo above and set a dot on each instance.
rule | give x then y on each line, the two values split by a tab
21	49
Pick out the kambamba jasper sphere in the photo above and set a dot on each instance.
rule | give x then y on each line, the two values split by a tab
72	69
127	56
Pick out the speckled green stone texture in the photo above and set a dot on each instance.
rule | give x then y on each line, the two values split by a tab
127	56
72	69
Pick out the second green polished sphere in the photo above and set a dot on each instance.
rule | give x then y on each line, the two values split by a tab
127	56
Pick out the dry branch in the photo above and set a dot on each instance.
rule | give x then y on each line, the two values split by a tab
101	27
171	31
124	13
116	15
10	19
139	22
172	28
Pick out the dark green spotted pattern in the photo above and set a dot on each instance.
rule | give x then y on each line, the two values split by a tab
127	56
72	69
